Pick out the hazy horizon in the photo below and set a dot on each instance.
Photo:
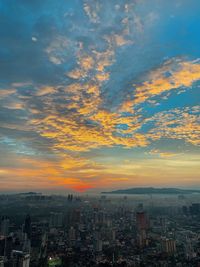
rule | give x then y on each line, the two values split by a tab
91	191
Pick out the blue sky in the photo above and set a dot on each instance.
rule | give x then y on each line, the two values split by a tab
99	94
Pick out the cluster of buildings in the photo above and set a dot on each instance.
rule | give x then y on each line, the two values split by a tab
98	231
15	247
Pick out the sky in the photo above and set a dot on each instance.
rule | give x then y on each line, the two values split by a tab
99	94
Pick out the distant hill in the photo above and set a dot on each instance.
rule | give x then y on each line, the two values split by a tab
29	193
152	190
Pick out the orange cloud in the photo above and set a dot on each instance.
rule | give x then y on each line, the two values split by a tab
45	90
177	124
164	79
163	154
86	62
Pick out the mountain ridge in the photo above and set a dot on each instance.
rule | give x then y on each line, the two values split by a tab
152	190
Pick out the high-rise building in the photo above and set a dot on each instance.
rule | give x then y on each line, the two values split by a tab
98	245
20	259
8	247
72	234
102	217
142	226
141	220
43	247
142	238
189	248
113	236
163	224
27	226
1	261
5	226
56	219
168	245
2	245
195	209
76	216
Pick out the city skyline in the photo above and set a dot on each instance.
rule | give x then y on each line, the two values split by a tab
99	95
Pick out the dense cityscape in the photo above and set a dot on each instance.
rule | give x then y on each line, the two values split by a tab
99	133
102	230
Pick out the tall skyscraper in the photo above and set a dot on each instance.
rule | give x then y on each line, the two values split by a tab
2	245
141	220
142	226
8	247
27	226
5	226
72	234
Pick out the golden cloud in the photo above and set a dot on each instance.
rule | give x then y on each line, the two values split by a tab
177	124
172	75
